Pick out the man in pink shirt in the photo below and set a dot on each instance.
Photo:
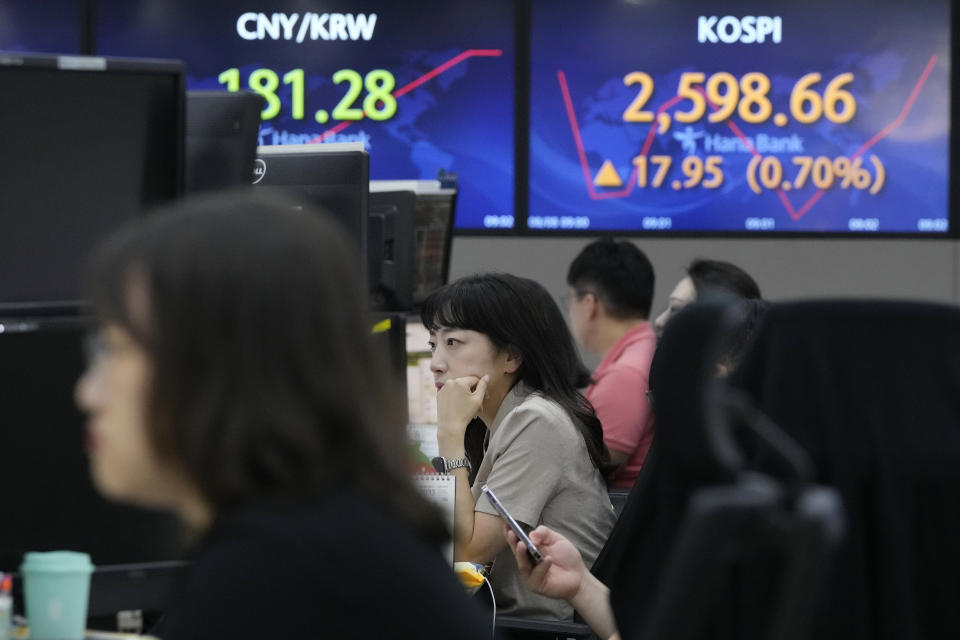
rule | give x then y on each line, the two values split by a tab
611	291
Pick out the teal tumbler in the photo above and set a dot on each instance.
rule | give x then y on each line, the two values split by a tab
56	589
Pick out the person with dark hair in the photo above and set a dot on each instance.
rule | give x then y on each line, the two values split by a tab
510	416
733	343
705	278
234	382
611	290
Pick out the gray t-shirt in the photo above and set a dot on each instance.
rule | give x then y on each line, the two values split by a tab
537	464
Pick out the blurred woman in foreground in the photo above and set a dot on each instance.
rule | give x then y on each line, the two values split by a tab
233	382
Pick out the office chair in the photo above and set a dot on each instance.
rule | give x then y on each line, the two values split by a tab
871	391
702	526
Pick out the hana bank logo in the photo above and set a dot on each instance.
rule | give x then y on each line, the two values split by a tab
688	139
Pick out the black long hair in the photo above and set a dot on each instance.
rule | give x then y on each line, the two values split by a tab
266	383
518	313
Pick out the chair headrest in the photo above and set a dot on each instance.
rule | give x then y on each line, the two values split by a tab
874	380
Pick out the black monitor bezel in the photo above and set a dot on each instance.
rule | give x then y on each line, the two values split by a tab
404	203
110	64
100	64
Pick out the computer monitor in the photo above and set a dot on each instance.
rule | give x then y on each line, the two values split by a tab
88	143
333	176
50	501
433	216
221	142
742	118
389	336
390	249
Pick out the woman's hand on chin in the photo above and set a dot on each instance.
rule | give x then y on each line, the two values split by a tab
458	402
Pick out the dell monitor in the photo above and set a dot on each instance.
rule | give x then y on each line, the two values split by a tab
89	143
333	176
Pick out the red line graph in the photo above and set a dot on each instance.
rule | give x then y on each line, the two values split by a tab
410	86
796	214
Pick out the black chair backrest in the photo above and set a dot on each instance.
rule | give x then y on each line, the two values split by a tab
699	517
682	380
871	391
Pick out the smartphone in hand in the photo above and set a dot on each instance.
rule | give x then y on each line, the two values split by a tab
532	550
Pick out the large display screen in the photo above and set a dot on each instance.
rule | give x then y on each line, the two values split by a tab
51	26
426	86
749	116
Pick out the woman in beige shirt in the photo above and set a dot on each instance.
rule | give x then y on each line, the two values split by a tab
510	416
